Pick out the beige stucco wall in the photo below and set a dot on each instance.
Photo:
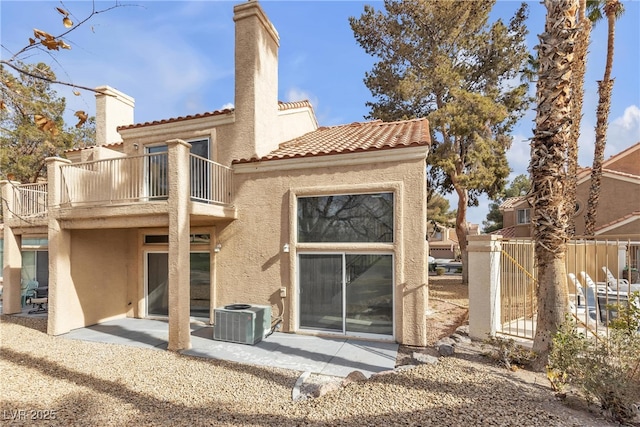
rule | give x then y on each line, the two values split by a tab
103	271
113	109
252	266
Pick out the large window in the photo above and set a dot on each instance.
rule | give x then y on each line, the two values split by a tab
346	218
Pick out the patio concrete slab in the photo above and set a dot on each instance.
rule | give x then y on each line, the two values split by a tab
322	355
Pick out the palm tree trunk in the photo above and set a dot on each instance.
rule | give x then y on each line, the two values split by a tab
605	86
548	175
577	97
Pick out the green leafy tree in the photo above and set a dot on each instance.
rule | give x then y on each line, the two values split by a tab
520	186
439	213
42	41
444	61
25	141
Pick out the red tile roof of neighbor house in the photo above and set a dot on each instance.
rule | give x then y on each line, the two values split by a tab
510	202
585	174
352	138
619	220
505	232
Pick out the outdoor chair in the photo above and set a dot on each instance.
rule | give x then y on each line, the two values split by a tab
40	305
620	284
586	297
598	287
28	291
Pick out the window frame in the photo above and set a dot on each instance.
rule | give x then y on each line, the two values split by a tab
391	217
527	216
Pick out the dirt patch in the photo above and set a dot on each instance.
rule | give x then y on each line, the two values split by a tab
448	309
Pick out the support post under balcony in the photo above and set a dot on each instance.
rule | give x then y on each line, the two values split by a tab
12	261
179	245
62	290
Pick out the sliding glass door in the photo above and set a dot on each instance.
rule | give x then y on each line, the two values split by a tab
158	171
346	293
157	284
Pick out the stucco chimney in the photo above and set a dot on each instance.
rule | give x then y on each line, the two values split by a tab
256	74
113	109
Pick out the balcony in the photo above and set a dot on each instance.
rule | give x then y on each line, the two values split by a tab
30	200
141	178
124	187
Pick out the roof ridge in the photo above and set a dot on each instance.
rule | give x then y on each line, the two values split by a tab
178	119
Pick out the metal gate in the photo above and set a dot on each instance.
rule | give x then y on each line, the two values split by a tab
518	284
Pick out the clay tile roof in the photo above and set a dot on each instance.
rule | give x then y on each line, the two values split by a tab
291	105
352	138
178	119
619	220
623	153
510	202
111	145
281	106
505	232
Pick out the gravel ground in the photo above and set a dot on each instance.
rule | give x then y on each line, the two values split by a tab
95	384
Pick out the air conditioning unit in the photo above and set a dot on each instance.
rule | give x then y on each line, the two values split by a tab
241	323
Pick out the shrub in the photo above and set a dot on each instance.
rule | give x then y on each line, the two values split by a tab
507	352
606	369
440	271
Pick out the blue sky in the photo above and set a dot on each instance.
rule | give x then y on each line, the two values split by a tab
176	58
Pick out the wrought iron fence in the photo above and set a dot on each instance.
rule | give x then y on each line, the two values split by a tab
600	277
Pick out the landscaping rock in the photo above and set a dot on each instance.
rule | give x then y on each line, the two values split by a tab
446	350
460	338
445	341
424	358
463	330
354	376
326	388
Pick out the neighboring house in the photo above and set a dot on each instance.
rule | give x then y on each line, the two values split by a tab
516	218
256	204
618	215
443	242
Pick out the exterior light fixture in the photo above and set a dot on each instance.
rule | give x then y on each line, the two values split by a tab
285	248
217	248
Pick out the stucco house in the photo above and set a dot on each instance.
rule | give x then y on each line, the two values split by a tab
618	209
618	216
256	204
444	244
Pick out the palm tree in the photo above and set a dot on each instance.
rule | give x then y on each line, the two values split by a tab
548	174
612	10
577	96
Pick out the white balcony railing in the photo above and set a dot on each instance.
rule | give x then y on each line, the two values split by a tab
140	179
210	182
30	200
